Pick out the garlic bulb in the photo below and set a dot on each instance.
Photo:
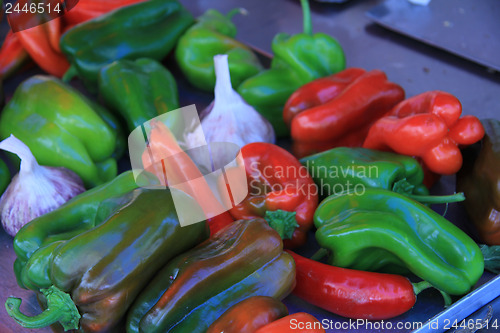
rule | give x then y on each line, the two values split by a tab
35	190
228	118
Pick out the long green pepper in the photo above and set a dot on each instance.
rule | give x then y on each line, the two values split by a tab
297	60
379	229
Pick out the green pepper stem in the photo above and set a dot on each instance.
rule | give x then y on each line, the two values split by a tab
235	11
306	12
283	222
437	199
60	308
420	286
70	74
320	254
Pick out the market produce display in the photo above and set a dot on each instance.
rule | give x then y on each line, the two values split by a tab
105	248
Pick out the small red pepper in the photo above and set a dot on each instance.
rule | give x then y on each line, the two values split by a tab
88	9
280	189
427	126
354	100
12	55
352	293
299	322
41	42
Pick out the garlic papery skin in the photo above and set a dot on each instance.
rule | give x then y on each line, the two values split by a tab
35	190
229	118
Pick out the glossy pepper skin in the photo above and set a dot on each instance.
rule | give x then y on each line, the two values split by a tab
280	189
12	55
214	34
105	268
244	259
378	229
427	126
249	315
479	179
344	168
80	214
139	90
297	60
86	10
357	100
352	293
299	322
63	128
145	29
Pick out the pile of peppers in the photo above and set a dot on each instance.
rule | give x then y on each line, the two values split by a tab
116	258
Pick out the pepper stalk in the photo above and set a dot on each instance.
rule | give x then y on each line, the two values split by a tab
60	308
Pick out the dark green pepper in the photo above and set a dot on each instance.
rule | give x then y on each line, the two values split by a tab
80	214
63	129
381	228
146	29
105	268
139	90
297	60
214	34
244	259
343	169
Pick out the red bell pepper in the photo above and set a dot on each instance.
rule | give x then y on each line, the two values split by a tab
352	293
12	55
249	315
341	109
280	189
299	322
427	126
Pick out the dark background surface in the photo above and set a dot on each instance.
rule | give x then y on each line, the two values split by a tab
415	66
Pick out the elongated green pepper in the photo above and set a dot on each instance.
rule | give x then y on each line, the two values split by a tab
146	29
379	228
242	260
106	267
139	90
214	34
63	128
340	169
80	214
4	176
297	60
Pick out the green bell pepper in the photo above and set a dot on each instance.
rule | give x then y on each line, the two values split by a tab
297	60
214	34
340	169
63	128
139	90
4	176
105	268
145	29
382	228
244	259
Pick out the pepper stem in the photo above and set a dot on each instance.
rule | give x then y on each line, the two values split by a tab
283	222
438	199
319	254
420	286
306	12
70	74
60	308
235	11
